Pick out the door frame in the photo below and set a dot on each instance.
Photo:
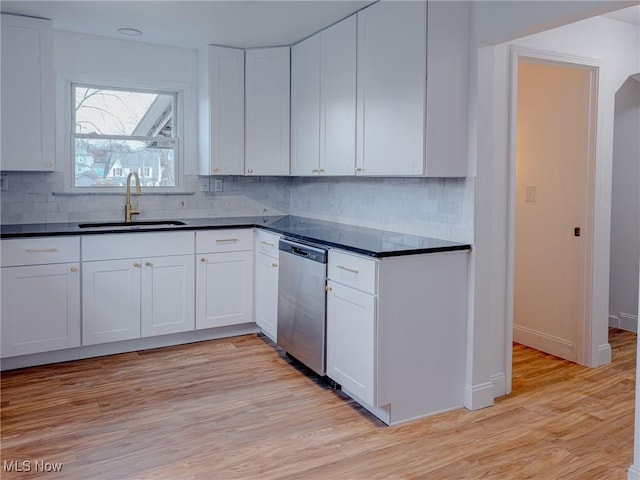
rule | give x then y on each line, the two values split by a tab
584	336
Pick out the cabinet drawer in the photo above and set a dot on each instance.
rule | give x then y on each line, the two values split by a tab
232	240
136	245
353	271
267	243
37	251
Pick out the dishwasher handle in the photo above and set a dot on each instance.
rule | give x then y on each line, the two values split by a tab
309	252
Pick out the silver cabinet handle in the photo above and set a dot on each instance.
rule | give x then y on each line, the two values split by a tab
268	244
250	170
226	240
41	250
274	265
74	269
351	270
148	264
136	264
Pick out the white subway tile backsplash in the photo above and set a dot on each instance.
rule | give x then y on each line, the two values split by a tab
436	207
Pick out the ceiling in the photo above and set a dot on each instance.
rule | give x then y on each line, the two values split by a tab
628	15
193	24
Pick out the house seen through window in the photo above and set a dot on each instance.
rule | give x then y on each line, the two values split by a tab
118	131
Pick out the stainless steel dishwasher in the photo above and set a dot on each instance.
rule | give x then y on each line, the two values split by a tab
302	303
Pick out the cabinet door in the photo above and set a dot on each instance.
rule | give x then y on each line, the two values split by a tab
221	84
168	290
338	99
40	308
266	294
351	334
224	289
305	107
110	301
27	94
267	111
447	89
391	88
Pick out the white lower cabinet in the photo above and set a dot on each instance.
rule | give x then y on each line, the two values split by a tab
40	294
138	296
40	308
266	283
396	331
224	278
168	286
110	301
351	319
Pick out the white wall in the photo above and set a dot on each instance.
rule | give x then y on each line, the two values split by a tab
625	206
433	207
90	58
41	197
614	42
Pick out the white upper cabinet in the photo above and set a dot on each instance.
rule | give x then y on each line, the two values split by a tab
305	107
221	110
267	94
323	110
338	98
447	89
392	60
27	94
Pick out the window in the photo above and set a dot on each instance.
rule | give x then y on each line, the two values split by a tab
117	131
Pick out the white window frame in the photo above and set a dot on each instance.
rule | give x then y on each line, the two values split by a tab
65	127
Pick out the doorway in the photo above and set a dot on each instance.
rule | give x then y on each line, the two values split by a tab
551	201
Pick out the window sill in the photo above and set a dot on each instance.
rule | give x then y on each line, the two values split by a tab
145	193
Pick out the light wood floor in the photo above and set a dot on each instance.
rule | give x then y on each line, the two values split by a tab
236	409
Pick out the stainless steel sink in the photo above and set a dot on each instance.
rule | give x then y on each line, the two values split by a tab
132	225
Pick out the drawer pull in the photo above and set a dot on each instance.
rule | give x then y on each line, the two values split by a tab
148	264
227	240
346	269
41	250
274	265
203	260
268	244
136	264
74	269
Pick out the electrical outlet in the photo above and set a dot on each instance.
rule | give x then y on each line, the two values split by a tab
204	184
4	183
217	185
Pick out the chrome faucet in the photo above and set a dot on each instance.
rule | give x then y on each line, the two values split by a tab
128	209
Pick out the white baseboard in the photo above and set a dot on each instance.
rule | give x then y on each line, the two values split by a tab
628	322
633	473
614	321
478	396
499	381
124	346
603	355
624	321
557	346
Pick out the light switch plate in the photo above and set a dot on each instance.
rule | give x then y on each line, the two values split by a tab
531	194
4	183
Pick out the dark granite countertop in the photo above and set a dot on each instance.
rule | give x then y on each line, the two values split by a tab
366	241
